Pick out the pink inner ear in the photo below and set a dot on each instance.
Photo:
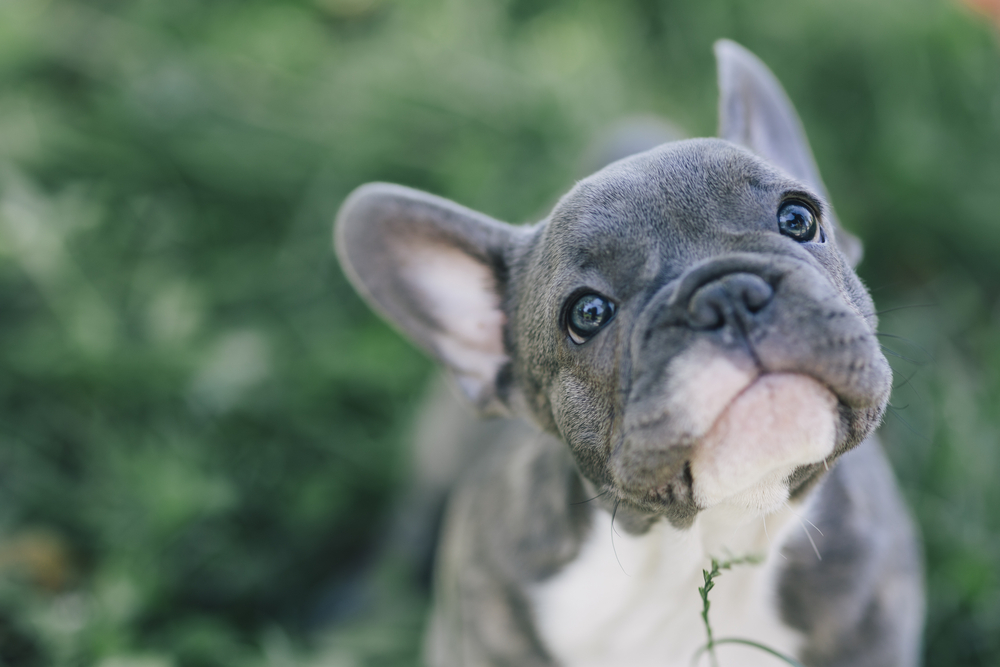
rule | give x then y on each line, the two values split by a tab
460	295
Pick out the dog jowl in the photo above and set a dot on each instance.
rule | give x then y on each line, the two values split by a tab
695	369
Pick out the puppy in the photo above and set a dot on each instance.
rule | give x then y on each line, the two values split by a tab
697	370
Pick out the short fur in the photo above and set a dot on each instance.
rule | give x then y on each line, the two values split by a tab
739	368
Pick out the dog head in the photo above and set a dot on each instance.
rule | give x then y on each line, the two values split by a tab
687	319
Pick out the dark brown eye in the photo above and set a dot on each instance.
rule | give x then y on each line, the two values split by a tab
588	315
797	221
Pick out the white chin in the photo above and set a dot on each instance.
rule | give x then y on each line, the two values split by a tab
778	423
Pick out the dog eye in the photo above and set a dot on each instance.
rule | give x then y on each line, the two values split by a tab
588	315
797	221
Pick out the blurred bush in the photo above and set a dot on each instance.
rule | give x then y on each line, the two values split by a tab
201	426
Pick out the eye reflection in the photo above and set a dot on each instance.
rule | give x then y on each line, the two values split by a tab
797	221
588	315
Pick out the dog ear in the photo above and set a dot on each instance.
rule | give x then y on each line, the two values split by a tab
436	270
755	112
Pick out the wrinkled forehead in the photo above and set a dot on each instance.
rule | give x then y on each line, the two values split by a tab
682	200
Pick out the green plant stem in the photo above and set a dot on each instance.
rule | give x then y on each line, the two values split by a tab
747	642
709	577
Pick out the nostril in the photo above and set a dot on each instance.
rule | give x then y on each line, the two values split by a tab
737	295
756	293
707	308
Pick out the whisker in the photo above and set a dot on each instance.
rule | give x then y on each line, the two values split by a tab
893	353
804	530
930	356
912	386
583	502
916	392
809	537
917	305
895	413
763	517
806	519
907	380
613	531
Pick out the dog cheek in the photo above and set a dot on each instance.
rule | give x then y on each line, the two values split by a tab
585	419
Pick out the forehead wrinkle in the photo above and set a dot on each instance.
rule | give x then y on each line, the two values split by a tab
654	188
678	195
618	246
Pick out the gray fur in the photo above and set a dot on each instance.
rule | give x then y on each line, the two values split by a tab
872	609
677	237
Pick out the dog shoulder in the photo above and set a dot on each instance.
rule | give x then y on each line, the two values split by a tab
862	602
507	525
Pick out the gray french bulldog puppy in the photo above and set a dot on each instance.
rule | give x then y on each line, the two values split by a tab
696	366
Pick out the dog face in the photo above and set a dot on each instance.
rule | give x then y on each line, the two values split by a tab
687	319
687	324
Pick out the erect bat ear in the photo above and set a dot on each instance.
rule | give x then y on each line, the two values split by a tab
755	112
437	271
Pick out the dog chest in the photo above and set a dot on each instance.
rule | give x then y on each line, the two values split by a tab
633	600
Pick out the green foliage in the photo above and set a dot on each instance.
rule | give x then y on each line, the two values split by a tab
201	426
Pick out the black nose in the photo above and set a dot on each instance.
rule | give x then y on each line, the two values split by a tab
732	300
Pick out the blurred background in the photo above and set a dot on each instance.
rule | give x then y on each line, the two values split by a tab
202	428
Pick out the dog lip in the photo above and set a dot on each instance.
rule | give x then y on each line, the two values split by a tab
756	442
681	486
722	413
755	381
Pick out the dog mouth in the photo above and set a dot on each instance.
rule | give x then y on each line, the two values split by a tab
781	421
755	435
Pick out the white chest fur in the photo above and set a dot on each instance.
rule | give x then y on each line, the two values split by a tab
635	602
